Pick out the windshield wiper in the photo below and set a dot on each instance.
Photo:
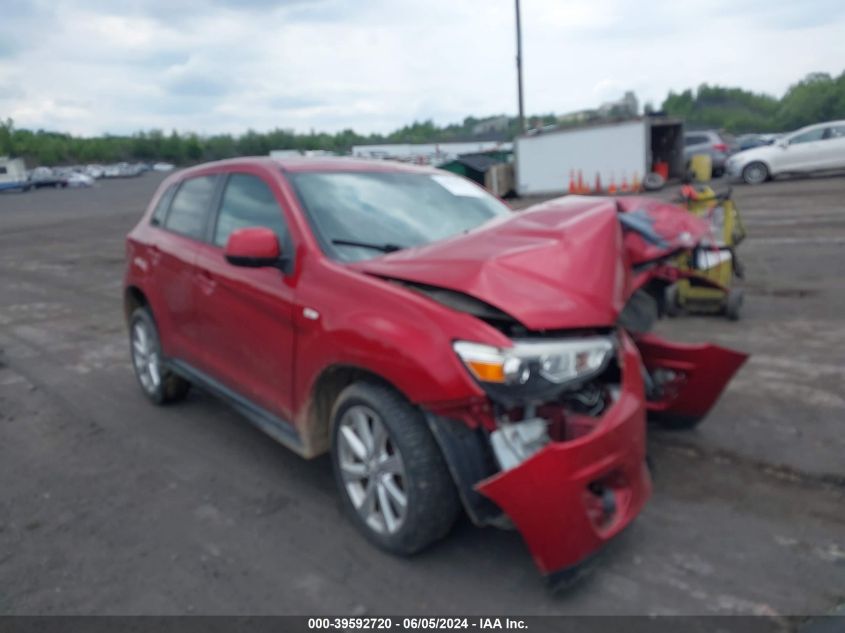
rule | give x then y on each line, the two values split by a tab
384	248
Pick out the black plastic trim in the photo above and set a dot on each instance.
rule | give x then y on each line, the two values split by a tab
279	429
469	459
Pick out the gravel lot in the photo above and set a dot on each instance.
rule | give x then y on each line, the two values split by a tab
110	505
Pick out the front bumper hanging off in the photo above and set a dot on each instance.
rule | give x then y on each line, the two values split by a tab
571	497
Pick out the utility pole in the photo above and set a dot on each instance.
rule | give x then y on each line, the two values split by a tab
519	70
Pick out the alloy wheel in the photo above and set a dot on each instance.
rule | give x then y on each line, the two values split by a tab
145	357
372	470
755	174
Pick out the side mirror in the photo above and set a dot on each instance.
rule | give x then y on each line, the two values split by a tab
782	143
253	247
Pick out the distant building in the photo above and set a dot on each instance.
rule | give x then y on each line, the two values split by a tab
295	153
426	153
285	153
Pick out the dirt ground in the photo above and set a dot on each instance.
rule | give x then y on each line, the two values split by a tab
110	505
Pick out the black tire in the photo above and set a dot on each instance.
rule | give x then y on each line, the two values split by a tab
671	301
675	422
170	387
755	173
432	501
733	303
653	181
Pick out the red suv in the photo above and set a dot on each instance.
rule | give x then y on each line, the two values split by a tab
447	352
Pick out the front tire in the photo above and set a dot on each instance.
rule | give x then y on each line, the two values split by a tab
733	303
389	470
755	173
672	301
157	382
675	422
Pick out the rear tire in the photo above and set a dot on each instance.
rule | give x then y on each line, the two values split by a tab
157	382
389	470
755	173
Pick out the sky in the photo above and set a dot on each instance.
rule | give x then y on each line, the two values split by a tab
116	66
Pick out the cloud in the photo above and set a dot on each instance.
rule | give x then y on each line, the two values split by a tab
93	66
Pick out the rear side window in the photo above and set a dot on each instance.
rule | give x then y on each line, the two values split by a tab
190	207
248	201
836	131
161	208
695	139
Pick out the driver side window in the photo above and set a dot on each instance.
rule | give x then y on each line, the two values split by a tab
248	201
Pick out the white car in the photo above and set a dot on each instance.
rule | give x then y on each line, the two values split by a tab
819	147
77	179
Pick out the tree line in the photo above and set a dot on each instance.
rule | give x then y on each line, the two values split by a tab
818	97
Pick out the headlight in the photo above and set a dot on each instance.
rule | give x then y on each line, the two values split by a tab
558	361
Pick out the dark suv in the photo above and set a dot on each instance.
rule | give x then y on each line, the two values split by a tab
717	145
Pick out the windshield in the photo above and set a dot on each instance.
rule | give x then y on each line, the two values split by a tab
360	215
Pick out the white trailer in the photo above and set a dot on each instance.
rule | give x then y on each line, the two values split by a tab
13	174
544	161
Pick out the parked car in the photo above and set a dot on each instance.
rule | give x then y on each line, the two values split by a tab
750	141
717	145
77	179
95	171
42	177
444	350
815	148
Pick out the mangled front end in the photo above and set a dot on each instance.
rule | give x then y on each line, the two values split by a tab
556	445
566	458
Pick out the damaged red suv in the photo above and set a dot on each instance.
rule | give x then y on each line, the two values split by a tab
447	352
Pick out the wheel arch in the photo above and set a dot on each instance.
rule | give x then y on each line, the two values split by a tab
315	417
133	298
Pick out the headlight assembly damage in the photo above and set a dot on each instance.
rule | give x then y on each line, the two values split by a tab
533	364
524	379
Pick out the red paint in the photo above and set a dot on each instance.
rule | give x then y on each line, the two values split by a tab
562	265
547	496
253	243
551	267
704	371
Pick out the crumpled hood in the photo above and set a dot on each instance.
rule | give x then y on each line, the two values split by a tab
654	228
558	265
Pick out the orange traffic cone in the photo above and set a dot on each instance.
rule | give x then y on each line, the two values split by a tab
598	183
571	181
624	188
635	183
612	188
580	186
585	189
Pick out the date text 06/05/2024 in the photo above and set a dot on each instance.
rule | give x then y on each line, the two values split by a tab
419	623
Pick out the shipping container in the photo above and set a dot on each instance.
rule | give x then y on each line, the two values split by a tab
546	160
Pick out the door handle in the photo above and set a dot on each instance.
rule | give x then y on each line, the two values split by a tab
206	281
